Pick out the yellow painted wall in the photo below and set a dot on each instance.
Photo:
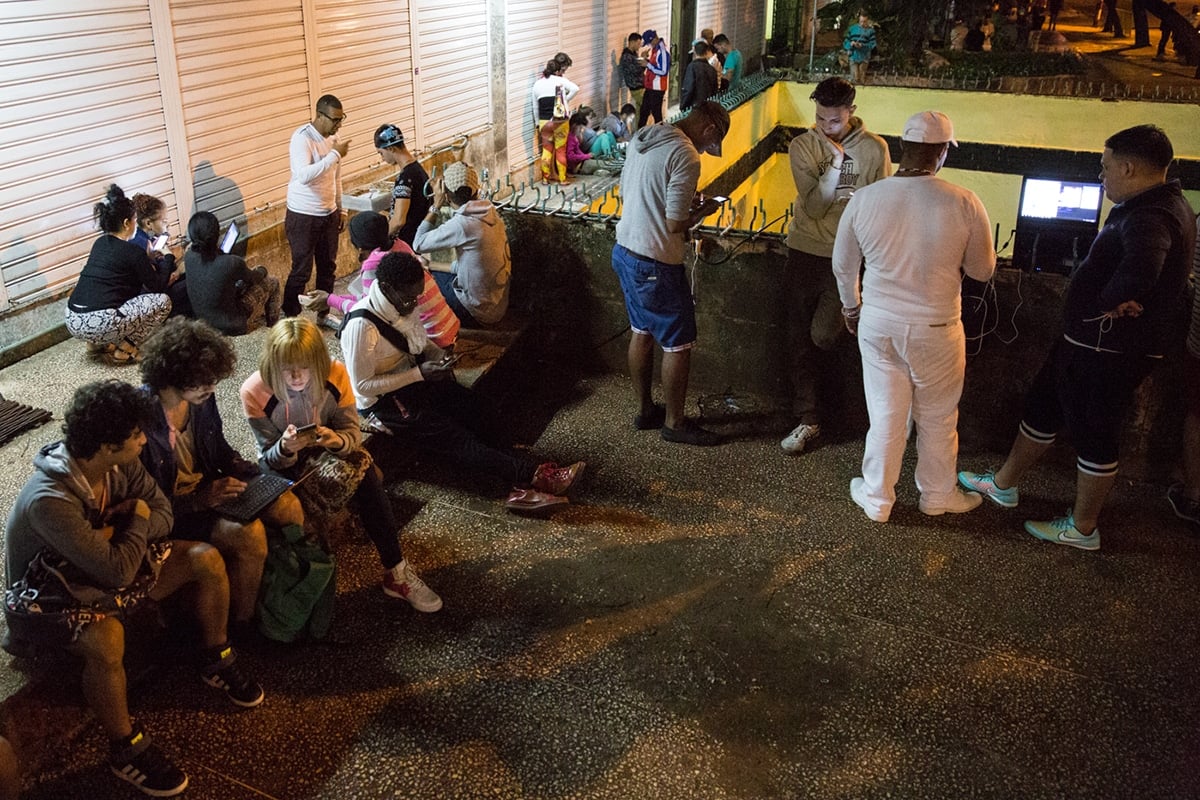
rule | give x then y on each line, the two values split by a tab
1004	119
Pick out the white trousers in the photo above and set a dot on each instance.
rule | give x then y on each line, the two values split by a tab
911	371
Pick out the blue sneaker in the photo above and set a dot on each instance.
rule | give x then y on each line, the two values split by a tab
985	484
1063	531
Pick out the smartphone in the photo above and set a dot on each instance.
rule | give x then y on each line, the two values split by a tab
160	242
312	426
450	360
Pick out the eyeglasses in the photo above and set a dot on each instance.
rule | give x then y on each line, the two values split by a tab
335	120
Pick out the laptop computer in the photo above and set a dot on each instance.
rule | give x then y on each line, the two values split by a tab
230	238
261	490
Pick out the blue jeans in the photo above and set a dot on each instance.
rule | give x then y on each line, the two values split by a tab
445	282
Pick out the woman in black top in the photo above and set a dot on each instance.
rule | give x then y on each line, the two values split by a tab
119	299
224	292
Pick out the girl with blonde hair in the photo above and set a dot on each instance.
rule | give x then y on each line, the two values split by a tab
300	406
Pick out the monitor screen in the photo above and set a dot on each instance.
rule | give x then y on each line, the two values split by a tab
1045	200
231	235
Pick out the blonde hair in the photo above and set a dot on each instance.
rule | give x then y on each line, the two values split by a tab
295	342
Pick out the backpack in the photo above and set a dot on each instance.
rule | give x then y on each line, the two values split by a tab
298	587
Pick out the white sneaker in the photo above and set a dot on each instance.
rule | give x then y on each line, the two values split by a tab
957	503
858	493
795	441
402	581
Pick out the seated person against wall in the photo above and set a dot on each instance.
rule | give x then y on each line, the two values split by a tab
369	235
93	513
301	409
120	298
476	287
579	161
224	292
621	124
404	388
152	223
195	466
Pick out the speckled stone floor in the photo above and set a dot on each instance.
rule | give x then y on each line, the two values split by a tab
699	623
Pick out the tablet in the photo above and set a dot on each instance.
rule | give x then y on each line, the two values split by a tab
231	236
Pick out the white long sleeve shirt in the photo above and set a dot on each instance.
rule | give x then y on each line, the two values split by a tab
316	184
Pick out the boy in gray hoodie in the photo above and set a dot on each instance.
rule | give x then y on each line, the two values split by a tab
476	287
92	513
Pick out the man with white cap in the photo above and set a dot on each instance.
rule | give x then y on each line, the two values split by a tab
917	235
476	285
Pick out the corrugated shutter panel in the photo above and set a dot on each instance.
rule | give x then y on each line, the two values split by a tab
525	22
454	79
59	86
366	59
581	35
622	20
749	28
244	85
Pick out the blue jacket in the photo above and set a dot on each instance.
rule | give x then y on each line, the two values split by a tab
215	458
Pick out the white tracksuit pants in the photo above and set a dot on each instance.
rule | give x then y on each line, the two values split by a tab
911	369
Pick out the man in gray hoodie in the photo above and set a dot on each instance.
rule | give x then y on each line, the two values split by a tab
476	287
94	514
660	207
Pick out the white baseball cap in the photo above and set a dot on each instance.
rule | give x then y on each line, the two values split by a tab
929	127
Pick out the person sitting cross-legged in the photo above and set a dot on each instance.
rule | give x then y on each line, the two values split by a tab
93	515
301	408
404	385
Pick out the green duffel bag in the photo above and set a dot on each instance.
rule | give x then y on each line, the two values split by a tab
298	587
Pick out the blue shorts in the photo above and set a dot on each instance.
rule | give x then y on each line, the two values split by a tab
657	299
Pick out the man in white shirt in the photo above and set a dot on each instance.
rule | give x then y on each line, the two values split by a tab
917	235
315	216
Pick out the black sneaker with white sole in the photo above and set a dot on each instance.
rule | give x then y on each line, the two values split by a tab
140	762
224	673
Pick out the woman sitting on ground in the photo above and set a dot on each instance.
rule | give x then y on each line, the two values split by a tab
196	468
301	408
476	286
151	226
224	292
369	235
120	298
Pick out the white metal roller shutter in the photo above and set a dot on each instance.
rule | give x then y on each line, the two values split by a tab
366	59
525	27
60	87
454	78
582	36
622	19
244	85
656	15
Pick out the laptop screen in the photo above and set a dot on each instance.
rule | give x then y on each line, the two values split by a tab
1044	200
231	237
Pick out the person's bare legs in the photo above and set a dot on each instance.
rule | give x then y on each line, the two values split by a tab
675	369
244	548
641	370
199	565
101	644
1024	454
1090	493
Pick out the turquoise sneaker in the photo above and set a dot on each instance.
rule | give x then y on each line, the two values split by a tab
985	484
1063	531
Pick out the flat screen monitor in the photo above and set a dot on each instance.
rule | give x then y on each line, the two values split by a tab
1047	202
230	239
